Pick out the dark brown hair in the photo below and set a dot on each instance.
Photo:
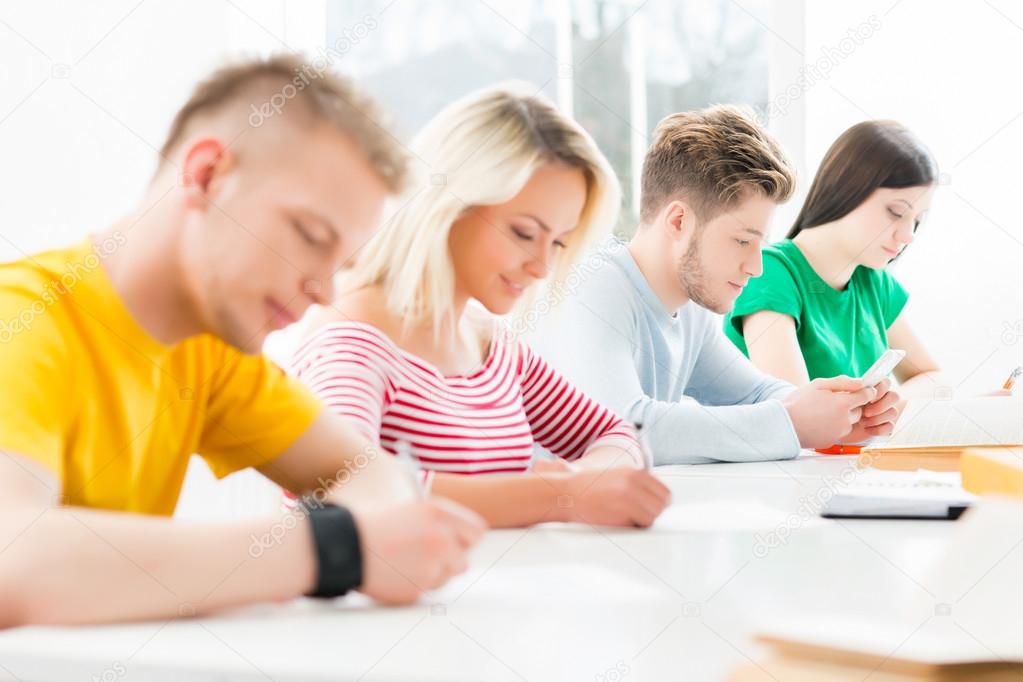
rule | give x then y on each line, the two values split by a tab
869	155
715	157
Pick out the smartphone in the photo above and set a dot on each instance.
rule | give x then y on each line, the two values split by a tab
883	367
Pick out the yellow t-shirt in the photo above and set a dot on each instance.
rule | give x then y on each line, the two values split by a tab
112	412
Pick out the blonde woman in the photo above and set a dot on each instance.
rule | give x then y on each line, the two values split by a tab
414	354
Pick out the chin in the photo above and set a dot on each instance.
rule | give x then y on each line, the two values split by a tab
881	263
498	307
252	345
247	340
722	308
720	305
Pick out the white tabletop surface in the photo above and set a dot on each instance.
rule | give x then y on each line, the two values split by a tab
554	602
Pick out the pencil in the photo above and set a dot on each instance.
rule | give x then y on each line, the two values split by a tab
404	453
644	446
1011	381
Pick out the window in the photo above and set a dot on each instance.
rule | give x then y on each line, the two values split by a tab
616	66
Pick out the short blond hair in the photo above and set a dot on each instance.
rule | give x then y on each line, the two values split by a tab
714	157
480	150
264	86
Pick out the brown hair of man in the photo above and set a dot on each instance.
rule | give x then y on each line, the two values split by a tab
714	158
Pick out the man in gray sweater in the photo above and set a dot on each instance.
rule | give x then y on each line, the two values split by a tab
636	327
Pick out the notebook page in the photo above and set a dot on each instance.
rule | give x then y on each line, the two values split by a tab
970	421
906	486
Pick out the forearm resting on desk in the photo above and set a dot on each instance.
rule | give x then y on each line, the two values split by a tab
75	565
613	497
506	501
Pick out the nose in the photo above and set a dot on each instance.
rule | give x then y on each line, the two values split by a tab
754	266
905	233
539	266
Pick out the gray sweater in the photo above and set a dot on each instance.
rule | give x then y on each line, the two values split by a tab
699	399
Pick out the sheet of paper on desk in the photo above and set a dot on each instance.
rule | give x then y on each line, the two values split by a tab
923	481
560	582
738	514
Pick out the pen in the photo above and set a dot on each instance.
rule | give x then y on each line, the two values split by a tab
404	454
644	446
1011	381
840	449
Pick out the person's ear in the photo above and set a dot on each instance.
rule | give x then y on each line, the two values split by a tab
205	162
675	217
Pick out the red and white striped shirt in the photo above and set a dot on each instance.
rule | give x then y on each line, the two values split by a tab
482	422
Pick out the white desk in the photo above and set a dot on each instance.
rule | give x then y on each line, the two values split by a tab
547	603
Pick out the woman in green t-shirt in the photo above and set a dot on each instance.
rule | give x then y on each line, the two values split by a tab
825	305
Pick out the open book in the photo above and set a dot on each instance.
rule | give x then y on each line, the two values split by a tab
931	434
849	651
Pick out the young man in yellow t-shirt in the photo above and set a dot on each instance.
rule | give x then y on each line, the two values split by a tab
123	355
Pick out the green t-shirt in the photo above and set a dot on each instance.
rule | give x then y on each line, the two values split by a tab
839	332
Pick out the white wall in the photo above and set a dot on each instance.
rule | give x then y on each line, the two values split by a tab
86	109
947	70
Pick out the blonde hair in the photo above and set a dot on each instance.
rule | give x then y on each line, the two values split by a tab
480	150
715	156
265	87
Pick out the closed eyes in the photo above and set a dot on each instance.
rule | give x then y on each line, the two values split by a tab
525	236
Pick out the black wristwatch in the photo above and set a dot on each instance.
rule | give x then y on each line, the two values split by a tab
338	554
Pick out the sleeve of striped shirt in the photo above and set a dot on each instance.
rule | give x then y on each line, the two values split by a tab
566	421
